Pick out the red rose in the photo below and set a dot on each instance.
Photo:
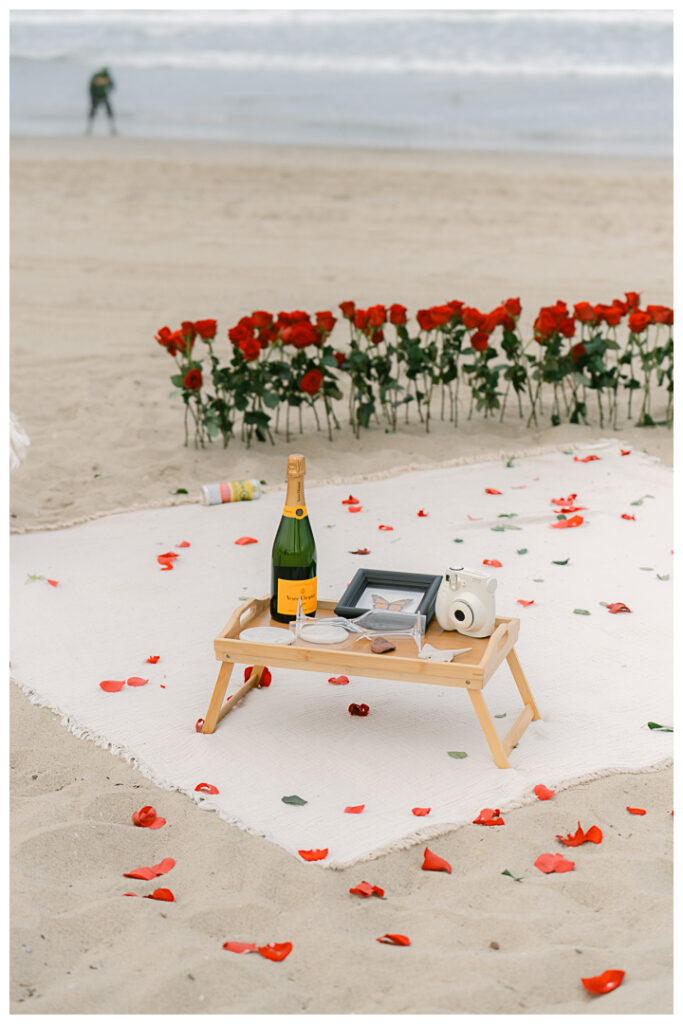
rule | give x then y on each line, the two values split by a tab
302	334
638	321
177	343
375	334
567	327
659	314
260	319
295	317
609	314
544	325
239	333
472	318
513	307
250	349
340	357
441	315
325	321
267	336
621	306
584	312
493	319
188	331
377	316
480	341
424	319
398	314
360	319
577	352
163	336
193	380
311	382
348	309
206	329
632	300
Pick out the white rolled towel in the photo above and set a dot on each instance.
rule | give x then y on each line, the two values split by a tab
18	442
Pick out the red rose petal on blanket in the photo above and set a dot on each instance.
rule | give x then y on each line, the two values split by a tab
553	862
636	810
395	939
153	659
474	519
53	583
265	679
360	551
382	526
145	873
623	451
422	514
275	950
338	680
524	604
240	947
183	544
350	500
566	524
198	725
625	515
617	606
358	809
608	980
569	500
246	540
543	793
355	508
421	812
489	817
136	681
205	787
169	555
365	889
313	854
492	490
494	562
587	458
593	835
161	894
359	709
432	862
571	508
112	685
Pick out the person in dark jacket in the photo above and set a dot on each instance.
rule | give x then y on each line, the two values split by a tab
101	84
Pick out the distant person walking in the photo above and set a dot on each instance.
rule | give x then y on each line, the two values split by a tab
101	84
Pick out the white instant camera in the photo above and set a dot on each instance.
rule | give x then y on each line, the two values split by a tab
465	602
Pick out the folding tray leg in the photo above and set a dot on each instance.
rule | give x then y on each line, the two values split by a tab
216	712
522	685
489	728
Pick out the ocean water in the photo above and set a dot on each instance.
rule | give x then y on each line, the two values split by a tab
585	82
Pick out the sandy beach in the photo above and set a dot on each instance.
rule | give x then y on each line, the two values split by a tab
110	240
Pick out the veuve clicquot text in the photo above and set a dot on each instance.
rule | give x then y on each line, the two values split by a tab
294	574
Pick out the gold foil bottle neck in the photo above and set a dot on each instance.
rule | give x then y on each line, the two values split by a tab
296	465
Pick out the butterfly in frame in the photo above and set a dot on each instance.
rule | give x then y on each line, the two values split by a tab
382	604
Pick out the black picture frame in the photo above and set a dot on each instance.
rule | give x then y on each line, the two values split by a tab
425	584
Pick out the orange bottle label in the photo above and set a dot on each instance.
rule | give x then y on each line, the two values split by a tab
289	592
295	511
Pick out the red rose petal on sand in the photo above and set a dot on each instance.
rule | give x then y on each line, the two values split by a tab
395	939
525	604
338	680
587	458
382	526
183	544
623	451
130	894
553	862
145	873
136	681
617	606
164	866
432	862
365	889
246	540
355	508
157	823
350	500
358	809
593	835
494	562
543	793
240	947
112	685
275	950
492	490
53	583
359	709
360	551
266	677
146	817
205	787
422	514
161	894
153	659
313	854
605	982
636	810
198	725
489	817
421	812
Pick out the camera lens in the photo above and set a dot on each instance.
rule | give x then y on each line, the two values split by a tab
460	615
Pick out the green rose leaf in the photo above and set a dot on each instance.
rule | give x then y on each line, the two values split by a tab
660	728
510	875
581	611
562	561
457	540
457	753
522	551
665	577
295	800
504	715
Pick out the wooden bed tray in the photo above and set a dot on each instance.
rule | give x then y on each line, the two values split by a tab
470	671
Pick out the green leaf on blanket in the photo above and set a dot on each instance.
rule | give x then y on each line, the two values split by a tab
646	568
665	577
604	604
33	576
504	526
561	517
639	502
457	753
510	462
522	551
296	800
507	515
661	728
581	611
510	875
457	540
504	715
539	580
562	561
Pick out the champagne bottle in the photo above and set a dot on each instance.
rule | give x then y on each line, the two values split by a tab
294	555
